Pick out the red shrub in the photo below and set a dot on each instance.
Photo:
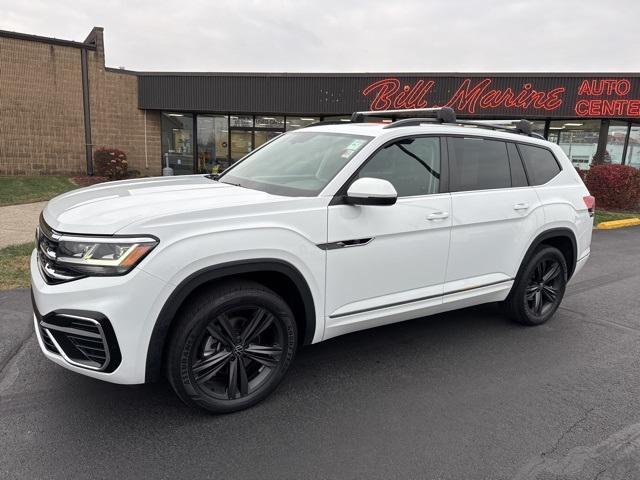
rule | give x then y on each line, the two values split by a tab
110	162
614	186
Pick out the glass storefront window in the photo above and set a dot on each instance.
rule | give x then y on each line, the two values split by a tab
241	144
241	121
213	148
616	137
270	122
263	136
633	148
293	123
337	118
177	142
578	139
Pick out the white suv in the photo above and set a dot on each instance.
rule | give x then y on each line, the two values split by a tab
215	281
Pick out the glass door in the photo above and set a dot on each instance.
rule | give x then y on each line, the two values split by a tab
213	135
177	142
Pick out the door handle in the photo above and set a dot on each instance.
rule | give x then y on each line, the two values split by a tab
437	215
521	206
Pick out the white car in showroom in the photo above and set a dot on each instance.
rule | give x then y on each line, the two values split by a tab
216	280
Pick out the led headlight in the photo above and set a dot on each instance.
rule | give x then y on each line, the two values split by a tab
102	255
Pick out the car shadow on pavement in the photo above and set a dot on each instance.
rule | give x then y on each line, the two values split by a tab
318	371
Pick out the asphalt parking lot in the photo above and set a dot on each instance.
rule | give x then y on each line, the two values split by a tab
463	395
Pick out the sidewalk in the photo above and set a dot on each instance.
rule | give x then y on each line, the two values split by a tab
18	223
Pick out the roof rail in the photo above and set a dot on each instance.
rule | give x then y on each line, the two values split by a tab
327	122
442	114
418	116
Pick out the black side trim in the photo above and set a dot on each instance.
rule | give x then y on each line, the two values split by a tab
358	242
193	281
413	300
380	201
554	232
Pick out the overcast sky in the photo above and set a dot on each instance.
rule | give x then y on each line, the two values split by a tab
345	35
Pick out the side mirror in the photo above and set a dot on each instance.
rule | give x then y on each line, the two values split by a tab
371	191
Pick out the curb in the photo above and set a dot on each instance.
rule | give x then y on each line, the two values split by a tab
627	222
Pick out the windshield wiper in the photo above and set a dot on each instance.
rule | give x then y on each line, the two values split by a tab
234	184
213	176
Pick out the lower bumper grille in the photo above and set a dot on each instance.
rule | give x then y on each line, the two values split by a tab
83	339
83	347
48	344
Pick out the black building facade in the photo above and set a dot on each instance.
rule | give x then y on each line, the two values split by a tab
210	120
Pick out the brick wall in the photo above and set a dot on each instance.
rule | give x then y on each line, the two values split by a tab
116	120
42	117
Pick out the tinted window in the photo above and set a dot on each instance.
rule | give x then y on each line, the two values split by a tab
540	163
412	165
518	177
479	164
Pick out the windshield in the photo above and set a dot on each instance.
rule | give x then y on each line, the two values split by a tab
296	163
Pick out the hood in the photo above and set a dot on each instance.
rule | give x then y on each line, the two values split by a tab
106	208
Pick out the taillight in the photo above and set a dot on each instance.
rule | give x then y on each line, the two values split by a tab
590	202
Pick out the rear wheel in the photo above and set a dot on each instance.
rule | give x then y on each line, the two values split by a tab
231	347
539	289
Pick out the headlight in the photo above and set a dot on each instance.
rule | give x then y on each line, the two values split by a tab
102	255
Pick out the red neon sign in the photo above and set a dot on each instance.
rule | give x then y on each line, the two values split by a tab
596	106
466	98
389	95
593	97
597	87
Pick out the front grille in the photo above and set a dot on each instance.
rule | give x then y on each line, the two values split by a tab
47	245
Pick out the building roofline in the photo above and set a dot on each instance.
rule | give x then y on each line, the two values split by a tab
384	74
49	40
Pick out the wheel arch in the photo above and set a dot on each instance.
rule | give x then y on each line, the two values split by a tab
564	239
258	269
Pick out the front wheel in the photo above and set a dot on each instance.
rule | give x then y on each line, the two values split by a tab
231	347
538	291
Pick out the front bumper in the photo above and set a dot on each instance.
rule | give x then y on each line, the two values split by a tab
98	326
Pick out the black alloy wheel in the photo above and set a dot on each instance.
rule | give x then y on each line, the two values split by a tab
539	288
542	291
237	352
231	347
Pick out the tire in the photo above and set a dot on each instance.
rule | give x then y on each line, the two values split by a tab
539	289
231	347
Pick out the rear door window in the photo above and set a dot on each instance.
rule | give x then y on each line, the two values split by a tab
540	163
478	164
